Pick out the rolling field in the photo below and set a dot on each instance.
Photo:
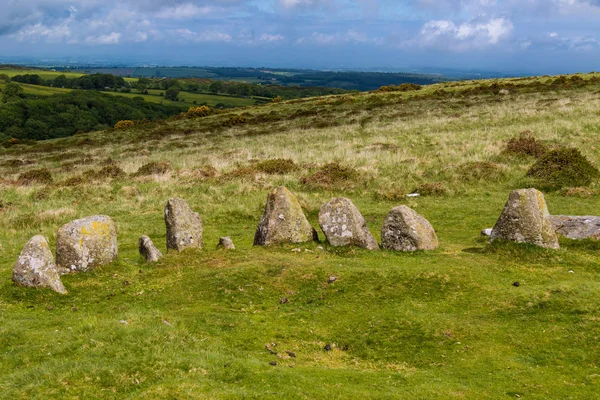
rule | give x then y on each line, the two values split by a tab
205	324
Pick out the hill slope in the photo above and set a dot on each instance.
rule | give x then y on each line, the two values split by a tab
444	324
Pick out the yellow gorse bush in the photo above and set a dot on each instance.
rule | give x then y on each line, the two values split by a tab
125	124
201	111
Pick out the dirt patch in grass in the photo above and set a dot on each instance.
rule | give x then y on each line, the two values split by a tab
526	145
154	168
561	168
332	175
35	176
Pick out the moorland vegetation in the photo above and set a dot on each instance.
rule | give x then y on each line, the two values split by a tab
468	320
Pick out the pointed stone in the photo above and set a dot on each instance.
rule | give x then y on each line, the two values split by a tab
405	230
36	268
184	226
525	219
148	250
343	225
226	243
86	243
283	221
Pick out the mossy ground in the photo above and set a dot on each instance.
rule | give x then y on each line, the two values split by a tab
443	324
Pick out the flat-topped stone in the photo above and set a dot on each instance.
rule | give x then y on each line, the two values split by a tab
86	243
577	227
525	219
405	230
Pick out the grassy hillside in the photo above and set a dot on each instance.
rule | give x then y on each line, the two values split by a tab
438	325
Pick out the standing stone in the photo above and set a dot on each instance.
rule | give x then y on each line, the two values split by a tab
226	243
36	268
343	225
184	226
86	243
525	219
577	227
405	230
148	250
283	221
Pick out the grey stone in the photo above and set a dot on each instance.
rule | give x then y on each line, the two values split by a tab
184	226
36	268
283	221
405	230
148	250
86	243
487	232
525	219
587	227
226	243
343	225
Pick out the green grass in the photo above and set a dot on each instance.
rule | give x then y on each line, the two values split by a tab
44	74
438	325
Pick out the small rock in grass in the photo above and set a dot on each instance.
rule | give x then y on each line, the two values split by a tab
516	284
226	243
148	250
328	347
291	354
273	363
332	279
35	266
284	300
487	232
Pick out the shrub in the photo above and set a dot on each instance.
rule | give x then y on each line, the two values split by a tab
277	166
234	120
125	124
582	192
195	112
332	174
277	99
111	171
405	87
565	167
432	189
154	168
526	144
42	176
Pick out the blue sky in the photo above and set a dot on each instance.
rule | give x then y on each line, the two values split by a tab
540	36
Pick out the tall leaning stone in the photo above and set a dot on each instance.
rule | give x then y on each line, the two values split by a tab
184	226
283	221
86	243
36	268
343	225
405	230
525	219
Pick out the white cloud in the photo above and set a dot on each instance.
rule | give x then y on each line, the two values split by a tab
111	38
183	11
465	36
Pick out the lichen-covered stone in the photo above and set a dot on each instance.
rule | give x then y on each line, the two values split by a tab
226	243
343	225
405	230
36	268
148	250
184	226
283	221
525	219
577	228
86	243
